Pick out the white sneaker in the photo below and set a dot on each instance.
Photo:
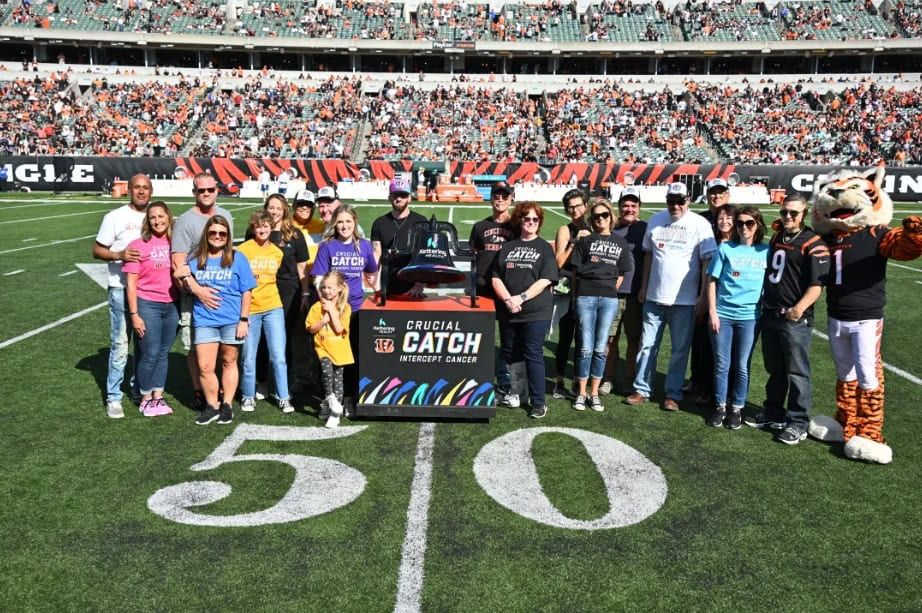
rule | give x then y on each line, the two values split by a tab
247	405
596	404
114	409
262	390
286	406
332	422
336	408
605	388
510	400
580	403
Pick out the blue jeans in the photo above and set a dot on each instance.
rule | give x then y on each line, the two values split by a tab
681	322
160	319
523	340
786	352
595	314
733	345
119	332
274	324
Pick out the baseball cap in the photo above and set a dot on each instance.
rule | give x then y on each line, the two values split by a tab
629	192
676	189
305	195
717	184
399	185
501	186
326	192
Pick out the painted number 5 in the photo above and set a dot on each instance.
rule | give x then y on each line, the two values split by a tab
320	484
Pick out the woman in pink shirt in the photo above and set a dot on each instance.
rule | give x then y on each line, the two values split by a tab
152	302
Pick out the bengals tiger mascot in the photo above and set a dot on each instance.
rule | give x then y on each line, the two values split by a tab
853	212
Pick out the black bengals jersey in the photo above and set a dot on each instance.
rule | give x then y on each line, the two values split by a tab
858	275
794	267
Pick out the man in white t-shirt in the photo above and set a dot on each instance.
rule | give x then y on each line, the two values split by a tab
679	245
118	229
264	179
283	179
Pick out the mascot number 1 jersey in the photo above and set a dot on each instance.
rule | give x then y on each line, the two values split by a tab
856	288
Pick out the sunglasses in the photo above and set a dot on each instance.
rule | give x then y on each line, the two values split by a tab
572	208
304	205
789	213
531	219
675	201
749	224
601	216
217	234
205	190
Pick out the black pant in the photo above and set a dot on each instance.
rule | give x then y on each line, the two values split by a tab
566	334
702	359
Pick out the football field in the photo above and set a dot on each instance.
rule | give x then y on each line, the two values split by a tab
630	509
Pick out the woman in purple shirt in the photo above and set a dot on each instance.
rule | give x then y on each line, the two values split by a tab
346	251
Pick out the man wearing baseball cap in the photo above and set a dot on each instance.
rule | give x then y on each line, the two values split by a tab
630	312
679	247
303	215
488	235
392	231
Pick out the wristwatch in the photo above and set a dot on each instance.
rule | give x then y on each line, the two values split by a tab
524	296
246	319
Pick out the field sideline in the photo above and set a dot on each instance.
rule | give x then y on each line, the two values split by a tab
633	508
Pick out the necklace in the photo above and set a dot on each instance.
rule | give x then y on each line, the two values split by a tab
788	241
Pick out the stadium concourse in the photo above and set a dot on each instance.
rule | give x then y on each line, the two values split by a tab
79	110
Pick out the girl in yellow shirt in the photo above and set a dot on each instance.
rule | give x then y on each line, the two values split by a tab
328	321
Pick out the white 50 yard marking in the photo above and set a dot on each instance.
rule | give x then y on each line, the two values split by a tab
635	486
410	583
320	485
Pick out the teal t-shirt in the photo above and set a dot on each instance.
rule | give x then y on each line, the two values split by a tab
740	272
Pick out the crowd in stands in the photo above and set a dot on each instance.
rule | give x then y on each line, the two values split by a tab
335	118
908	15
156	16
457	122
610	123
626	21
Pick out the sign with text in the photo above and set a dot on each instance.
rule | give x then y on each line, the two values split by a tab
427	358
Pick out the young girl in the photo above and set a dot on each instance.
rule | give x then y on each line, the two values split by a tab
328	321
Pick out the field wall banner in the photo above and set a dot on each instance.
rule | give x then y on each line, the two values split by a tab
97	174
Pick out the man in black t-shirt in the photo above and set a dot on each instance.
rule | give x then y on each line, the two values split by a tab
392	230
798	265
488	236
629	318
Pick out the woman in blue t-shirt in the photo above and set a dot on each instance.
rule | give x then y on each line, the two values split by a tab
736	275
217	266
343	249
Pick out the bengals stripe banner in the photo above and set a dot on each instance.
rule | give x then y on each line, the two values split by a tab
88	174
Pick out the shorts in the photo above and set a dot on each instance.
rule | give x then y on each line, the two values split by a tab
226	335
629	318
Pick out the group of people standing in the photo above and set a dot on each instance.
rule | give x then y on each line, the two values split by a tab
294	288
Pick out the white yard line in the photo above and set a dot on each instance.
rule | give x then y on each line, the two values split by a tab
54	217
29	240
46	203
451	214
51	244
52	325
895	370
68	273
412	560
904	266
14	272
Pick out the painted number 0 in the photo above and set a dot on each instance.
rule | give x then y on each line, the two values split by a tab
320	484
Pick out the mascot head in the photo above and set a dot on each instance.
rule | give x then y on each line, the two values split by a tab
850	200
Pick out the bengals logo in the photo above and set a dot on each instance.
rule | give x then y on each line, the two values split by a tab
384	345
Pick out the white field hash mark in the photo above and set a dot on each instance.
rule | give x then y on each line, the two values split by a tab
52	325
412	559
14	272
894	369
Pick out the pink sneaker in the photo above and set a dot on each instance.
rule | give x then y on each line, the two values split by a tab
165	409
155	407
146	407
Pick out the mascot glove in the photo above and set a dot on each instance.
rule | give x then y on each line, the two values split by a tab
913	224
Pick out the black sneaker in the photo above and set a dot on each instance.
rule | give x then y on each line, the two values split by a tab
208	415
226	414
763	419
561	391
791	435
537	411
198	401
735	419
716	418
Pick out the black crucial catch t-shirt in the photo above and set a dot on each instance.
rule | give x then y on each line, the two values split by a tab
599	261
519	264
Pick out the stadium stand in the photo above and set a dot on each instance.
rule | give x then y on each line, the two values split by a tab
161	16
624	22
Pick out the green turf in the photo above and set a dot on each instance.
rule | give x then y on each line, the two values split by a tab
747	523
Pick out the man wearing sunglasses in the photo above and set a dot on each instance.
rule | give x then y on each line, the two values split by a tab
798	263
488	235
679	246
187	231
117	230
